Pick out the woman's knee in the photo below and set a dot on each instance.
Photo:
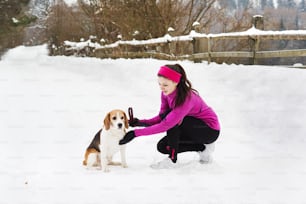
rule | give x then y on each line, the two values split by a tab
162	146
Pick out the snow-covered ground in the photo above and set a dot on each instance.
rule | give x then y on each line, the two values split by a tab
51	107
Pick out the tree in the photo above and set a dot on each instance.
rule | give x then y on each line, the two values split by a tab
302	6
291	4
282	3
200	11
231	4
64	23
35	34
282	25
111	18
267	4
270	4
13	20
150	18
243	4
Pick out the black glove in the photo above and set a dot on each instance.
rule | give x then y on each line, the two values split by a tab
134	122
127	138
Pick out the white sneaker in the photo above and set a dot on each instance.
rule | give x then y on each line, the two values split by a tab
206	155
166	163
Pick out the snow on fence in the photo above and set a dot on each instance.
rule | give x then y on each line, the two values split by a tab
198	46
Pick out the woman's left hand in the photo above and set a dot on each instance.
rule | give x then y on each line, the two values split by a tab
127	138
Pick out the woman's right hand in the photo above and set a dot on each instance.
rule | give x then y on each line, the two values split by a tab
134	122
137	123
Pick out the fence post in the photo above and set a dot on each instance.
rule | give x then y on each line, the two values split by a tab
172	44
258	23
201	45
196	42
209	49
196	48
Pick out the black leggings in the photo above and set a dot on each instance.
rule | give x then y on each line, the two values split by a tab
190	135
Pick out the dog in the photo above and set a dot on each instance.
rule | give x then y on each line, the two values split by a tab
105	143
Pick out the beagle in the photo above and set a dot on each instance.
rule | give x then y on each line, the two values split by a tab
106	142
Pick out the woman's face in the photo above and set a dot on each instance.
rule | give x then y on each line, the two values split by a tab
167	86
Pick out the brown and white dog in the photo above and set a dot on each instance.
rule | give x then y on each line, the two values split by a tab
105	144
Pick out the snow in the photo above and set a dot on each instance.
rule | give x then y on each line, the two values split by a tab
51	107
15	20
193	34
170	29
70	2
196	23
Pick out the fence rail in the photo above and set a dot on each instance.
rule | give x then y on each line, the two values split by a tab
197	46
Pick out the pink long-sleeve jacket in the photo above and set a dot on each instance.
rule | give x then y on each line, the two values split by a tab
193	106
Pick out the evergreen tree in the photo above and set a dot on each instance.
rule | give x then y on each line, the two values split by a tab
13	19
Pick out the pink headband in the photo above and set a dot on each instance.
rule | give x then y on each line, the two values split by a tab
169	73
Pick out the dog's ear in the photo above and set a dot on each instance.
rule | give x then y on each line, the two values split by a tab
126	121
107	122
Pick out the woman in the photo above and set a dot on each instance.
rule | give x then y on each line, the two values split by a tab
191	125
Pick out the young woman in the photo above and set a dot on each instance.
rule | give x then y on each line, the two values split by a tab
191	125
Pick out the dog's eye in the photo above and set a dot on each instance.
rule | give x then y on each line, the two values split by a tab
114	118
122	118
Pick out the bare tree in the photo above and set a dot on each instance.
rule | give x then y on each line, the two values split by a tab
66	23
144	19
111	18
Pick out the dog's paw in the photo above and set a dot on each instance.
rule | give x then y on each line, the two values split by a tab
105	170
114	163
124	165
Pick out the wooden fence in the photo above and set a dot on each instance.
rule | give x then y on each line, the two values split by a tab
250	45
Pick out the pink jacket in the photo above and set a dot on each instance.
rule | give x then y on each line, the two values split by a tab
193	106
